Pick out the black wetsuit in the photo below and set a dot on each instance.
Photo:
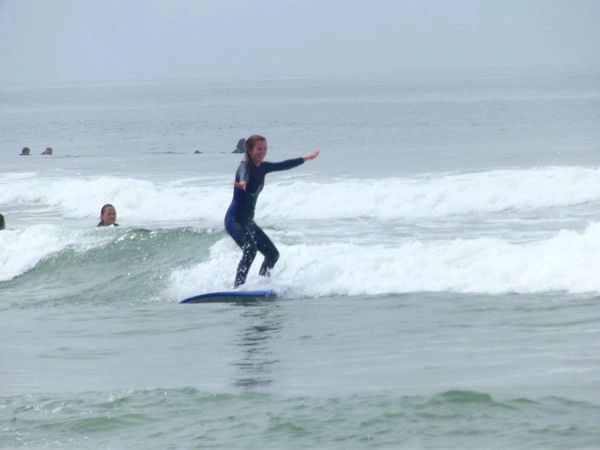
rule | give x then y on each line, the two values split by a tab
239	219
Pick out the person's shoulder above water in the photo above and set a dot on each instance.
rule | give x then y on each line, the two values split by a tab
102	224
48	151
108	216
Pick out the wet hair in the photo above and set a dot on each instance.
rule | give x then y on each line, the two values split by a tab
251	142
104	208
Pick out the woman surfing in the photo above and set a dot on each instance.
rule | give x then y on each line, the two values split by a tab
239	219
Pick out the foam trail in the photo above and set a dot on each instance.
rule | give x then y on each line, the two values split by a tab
216	273
565	262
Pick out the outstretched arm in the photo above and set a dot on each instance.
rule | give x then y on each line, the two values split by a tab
268	166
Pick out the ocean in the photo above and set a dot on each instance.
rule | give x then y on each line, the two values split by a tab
439	270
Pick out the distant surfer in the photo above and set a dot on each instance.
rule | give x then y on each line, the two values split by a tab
239	219
108	216
2	222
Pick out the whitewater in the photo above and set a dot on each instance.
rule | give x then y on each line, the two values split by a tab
486	232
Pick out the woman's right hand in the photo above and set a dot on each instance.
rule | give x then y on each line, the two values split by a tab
240	184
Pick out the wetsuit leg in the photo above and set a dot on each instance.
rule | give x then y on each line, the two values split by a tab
243	235
248	255
267	248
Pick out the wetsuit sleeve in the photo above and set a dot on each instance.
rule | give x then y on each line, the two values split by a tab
243	172
282	165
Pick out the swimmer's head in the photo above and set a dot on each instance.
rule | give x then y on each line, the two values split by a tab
108	214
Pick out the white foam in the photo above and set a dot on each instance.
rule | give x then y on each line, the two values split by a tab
568	261
22	250
435	195
216	273
137	201
140	201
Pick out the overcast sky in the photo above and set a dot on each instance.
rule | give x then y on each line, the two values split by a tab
64	40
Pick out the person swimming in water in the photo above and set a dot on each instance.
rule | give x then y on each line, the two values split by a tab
2	222
108	216
239	219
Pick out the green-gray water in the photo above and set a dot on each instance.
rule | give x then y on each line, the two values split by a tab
438	273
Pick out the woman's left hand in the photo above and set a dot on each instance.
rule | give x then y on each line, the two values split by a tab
312	155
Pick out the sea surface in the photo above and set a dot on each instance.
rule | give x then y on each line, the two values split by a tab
439	275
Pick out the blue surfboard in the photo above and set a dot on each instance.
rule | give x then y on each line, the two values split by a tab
231	296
